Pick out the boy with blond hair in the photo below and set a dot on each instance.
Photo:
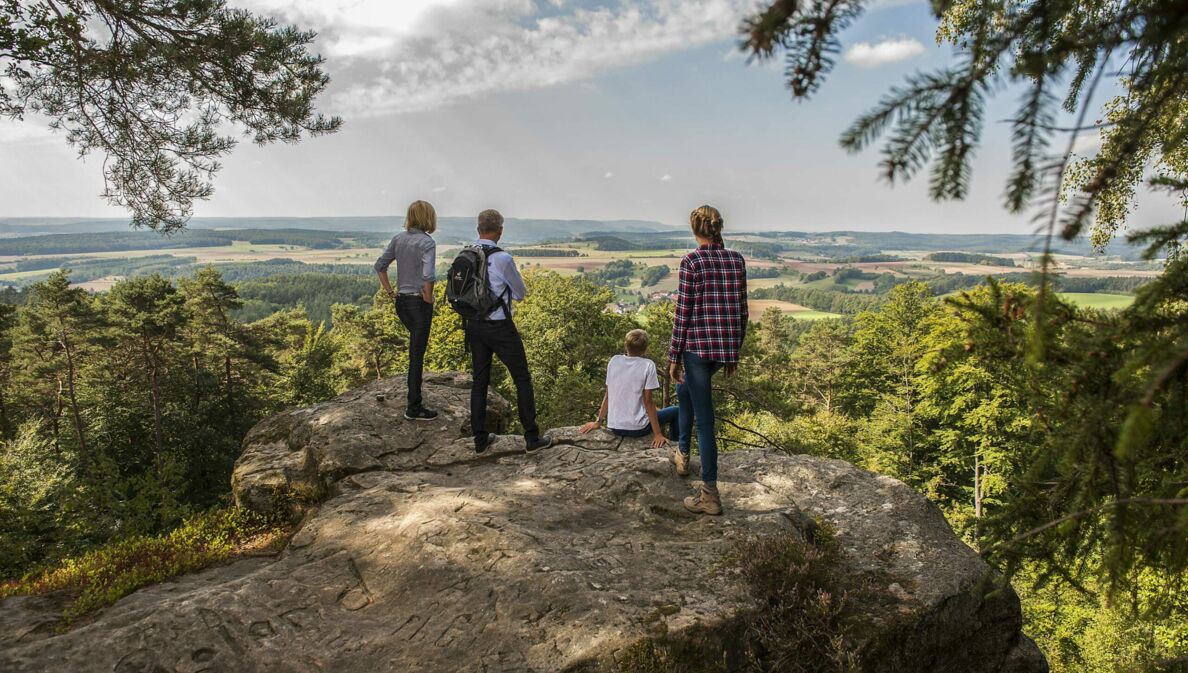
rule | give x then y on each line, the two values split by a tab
627	405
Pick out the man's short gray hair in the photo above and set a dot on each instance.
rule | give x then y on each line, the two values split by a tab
489	221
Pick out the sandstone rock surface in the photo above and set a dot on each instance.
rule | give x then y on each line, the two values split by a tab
423	556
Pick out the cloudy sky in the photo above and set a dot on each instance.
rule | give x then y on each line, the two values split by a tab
569	109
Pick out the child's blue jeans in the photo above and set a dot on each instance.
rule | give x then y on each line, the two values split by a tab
696	400
668	425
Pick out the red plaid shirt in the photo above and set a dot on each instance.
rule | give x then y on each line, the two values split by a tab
711	309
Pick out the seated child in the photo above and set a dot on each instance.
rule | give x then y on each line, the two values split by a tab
627	404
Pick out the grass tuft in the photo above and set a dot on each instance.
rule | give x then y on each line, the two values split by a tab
101	577
799	626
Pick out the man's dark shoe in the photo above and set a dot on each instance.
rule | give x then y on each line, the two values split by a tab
420	414
481	443
537	444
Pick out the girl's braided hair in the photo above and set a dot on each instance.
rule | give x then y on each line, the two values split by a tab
707	223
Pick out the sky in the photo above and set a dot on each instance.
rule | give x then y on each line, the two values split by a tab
608	109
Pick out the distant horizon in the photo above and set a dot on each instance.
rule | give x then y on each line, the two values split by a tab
4	219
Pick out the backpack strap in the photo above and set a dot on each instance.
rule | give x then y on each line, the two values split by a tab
504	302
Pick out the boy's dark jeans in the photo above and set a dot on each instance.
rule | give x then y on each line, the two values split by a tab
500	338
417	317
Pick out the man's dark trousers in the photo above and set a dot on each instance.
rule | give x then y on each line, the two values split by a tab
417	316
499	338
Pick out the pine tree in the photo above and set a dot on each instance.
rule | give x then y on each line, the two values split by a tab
1107	481
149	314
151	85
54	335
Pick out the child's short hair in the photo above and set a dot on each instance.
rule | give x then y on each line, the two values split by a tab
636	342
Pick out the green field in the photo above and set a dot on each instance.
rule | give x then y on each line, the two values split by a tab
813	315
14	276
1097	300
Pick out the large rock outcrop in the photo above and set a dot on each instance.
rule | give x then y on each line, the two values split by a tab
423	556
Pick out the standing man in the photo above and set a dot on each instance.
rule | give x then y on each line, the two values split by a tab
415	254
496	334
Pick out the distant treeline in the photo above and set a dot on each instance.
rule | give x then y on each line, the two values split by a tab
873	242
317	292
757	249
953	282
871	259
84	270
43	264
763	272
969	258
241	271
617	272
544	252
117	241
832	251
829	301
845	273
627	242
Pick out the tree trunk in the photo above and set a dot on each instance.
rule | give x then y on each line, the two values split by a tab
196	377
977	500
57	424
158	433
227	385
78	427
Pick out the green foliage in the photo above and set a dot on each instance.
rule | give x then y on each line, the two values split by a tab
374	341
969	258
763	272
36	483
845	273
1080	629
316	292
828	301
100	577
938	393
307	378
650	275
569	336
616	272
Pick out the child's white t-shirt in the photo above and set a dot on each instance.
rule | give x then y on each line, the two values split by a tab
627	377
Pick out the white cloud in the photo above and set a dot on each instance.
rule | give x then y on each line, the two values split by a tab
665	178
867	55
1087	143
414	55
32	129
608	175
438	190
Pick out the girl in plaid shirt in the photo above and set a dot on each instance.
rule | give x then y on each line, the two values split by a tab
707	335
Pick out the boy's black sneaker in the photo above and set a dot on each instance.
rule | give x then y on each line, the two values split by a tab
481	443
537	444
420	414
